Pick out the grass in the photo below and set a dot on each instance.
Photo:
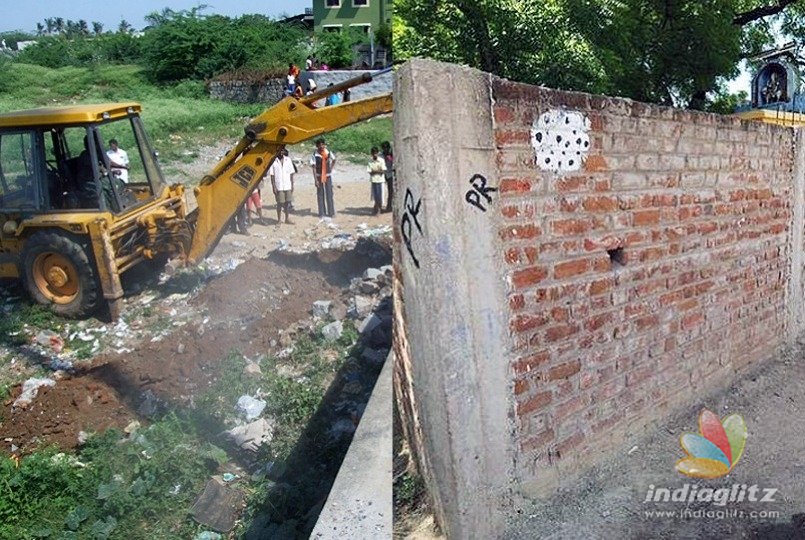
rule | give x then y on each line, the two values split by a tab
116	487
180	119
15	326
408	489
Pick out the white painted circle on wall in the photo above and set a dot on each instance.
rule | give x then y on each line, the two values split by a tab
560	140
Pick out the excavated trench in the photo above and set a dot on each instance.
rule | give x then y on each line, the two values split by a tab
257	309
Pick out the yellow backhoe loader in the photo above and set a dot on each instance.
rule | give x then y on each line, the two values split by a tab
73	219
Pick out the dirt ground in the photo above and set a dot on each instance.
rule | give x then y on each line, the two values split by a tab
247	308
610	500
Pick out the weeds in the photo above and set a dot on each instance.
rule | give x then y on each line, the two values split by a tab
13	325
135	488
408	489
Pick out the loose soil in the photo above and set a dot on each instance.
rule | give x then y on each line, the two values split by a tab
247	309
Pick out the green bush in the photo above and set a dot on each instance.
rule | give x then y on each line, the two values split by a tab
335	48
189	46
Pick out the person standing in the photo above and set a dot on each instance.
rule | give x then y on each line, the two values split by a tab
254	205
293	75
118	161
282	183
332	99
322	164
388	157
376	170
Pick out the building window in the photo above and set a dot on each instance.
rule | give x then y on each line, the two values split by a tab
363	27
331	28
332	3
360	3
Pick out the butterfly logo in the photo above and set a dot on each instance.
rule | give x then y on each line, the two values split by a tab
716	449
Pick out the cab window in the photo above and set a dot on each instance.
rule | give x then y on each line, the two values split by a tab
17	171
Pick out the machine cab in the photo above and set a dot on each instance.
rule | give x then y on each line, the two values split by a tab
82	158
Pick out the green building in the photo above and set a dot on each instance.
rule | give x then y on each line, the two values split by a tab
337	15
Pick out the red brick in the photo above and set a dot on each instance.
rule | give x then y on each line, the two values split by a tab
504	115
511	136
569	443
567	204
707	228
514	185
571	227
691	320
571	268
538	441
563	371
571	183
516	302
600	286
595	163
560	314
529	363
510	211
641	218
529	276
520	386
600	204
534	403
569	407
594	323
556	333
605	425
512	255
520	232
523	323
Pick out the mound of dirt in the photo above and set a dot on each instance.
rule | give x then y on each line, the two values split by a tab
245	309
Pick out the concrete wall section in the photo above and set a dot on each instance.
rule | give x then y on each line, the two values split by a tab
450	292
360	502
627	260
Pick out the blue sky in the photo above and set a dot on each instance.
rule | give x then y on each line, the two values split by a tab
24	14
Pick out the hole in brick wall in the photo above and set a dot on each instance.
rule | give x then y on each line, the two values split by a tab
617	256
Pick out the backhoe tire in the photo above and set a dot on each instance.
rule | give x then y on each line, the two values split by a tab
60	273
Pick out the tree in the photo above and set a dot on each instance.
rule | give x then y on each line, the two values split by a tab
97	28
335	48
124	27
40	29
58	25
673	52
188	45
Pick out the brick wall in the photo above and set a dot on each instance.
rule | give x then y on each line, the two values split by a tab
572	268
698	207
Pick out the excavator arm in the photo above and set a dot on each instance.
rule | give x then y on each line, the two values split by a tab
225	189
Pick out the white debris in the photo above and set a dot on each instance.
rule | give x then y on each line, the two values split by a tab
252	436
49	338
251	407
332	331
321	308
30	389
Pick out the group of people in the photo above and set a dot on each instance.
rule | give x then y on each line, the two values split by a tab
281	176
299	85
